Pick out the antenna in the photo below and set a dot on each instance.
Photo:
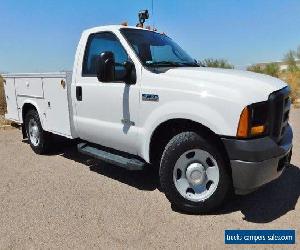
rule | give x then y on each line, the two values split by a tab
152	12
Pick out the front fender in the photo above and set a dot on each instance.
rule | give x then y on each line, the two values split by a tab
197	112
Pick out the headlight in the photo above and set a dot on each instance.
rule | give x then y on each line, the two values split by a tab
253	120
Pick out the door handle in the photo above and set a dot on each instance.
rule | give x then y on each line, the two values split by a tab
79	93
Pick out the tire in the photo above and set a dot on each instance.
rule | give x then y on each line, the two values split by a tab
38	138
193	174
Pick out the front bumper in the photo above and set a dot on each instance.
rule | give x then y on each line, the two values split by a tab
255	162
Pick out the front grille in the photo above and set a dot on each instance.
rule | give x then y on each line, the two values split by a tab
280	104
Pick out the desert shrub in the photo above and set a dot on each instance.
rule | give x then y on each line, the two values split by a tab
293	79
2	97
216	63
255	68
290	60
271	69
291	75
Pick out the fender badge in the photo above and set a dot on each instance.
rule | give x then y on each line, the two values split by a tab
150	97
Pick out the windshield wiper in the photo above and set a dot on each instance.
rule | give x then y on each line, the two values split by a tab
192	64
171	64
164	64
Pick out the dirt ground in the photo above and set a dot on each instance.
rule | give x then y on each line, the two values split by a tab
3	121
65	200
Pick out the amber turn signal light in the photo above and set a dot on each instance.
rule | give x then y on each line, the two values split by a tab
243	127
257	130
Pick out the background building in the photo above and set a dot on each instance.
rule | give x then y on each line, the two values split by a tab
282	64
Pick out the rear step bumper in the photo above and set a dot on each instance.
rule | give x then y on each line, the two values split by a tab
127	161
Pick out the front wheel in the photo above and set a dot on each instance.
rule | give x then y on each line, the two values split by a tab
38	138
193	174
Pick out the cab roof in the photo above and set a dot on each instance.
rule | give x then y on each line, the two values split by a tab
110	28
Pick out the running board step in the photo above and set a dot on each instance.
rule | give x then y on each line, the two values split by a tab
123	160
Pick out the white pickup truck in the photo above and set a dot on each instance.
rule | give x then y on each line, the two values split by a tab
137	100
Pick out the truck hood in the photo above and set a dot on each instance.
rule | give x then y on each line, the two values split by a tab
252	86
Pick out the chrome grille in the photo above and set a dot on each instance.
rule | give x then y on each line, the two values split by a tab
280	104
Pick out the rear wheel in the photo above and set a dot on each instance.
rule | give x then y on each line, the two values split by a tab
38	138
193	174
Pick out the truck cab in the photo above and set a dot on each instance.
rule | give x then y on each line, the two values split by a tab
138	100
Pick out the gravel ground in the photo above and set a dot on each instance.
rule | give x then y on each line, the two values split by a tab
65	200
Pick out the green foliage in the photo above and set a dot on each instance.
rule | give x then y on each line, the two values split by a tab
291	75
271	69
256	68
216	63
290	60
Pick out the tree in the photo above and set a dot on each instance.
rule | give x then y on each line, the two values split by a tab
298	52
216	63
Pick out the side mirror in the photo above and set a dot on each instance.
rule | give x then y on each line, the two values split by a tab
105	67
130	77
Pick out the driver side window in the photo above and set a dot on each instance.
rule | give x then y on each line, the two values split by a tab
98	43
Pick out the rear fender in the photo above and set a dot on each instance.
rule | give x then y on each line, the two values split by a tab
34	104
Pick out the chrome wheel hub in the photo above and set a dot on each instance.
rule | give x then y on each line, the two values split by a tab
196	175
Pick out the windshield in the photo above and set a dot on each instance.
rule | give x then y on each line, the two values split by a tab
157	50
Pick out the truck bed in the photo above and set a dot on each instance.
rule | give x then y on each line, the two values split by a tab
48	92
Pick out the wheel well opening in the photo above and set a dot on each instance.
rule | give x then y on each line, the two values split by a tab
25	109
165	131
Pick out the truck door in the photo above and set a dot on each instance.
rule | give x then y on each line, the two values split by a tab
106	113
